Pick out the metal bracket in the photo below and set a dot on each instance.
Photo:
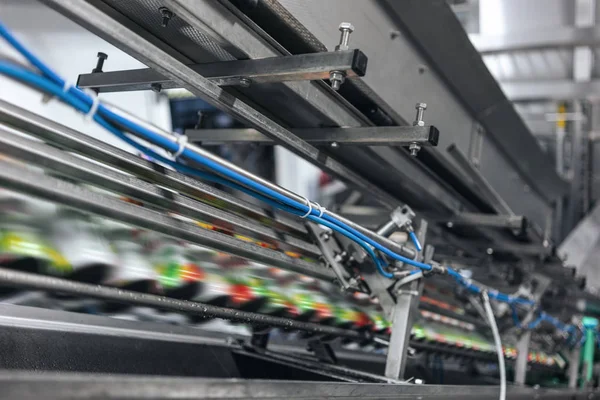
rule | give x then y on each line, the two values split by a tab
328	248
401	218
302	67
323	351
424	136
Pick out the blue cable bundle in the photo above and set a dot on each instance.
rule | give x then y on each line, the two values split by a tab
51	83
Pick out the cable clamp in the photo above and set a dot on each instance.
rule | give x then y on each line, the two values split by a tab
95	103
310	208
182	141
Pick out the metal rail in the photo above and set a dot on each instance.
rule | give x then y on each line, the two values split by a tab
365	136
315	66
67	138
36	153
17	385
58	285
40	185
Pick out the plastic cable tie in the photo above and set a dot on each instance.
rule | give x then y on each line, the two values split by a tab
321	209
96	101
310	208
182	141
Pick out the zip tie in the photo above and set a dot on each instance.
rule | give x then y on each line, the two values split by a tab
96	101
182	141
47	98
310	208
321	209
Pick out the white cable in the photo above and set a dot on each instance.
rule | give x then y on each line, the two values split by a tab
497	342
310	208
95	102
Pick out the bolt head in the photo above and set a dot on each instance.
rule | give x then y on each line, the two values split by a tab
335	145
421	105
346	26
102	56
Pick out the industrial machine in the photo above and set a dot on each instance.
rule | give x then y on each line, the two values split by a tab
427	270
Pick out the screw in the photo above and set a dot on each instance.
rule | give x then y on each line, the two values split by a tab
450	224
245	82
336	78
346	28
421	107
166	16
100	62
335	145
490	251
414	149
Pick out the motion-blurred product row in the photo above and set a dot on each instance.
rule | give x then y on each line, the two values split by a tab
44	238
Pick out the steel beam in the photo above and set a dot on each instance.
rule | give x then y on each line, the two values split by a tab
35	153
560	37
40	185
365	136
550	90
301	67
514	222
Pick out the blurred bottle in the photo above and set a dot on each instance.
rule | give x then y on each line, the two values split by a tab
81	242
22	246
180	277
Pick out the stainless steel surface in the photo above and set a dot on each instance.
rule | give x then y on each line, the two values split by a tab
472	174
485	101
404	312
515	222
58	285
52	189
64	137
35	153
315	66
550	90
18	385
561	37
364	136
574	359
100	23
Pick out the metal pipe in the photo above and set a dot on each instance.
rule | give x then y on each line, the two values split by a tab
46	283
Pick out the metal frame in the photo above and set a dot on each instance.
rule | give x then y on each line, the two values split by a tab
316	66
98	22
366	136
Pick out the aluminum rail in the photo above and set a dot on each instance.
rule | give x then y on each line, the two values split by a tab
100	23
59	285
37	184
18	385
364	136
67	138
301	67
12	143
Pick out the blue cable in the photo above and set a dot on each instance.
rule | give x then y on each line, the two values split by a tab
415	241
82	102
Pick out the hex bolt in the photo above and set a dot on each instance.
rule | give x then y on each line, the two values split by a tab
167	15
156	87
100	62
346	28
420	107
338	77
